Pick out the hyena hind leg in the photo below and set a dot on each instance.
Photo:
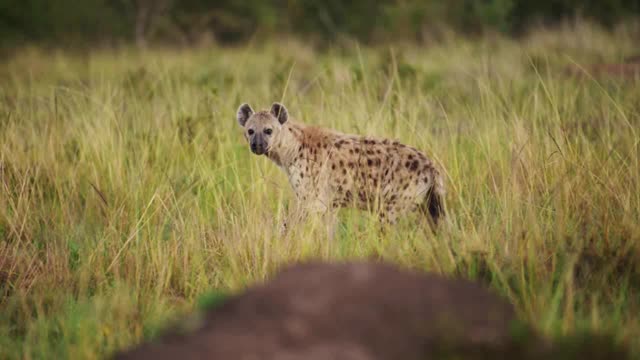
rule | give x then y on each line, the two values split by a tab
387	220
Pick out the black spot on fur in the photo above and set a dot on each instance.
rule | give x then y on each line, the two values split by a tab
413	165
369	162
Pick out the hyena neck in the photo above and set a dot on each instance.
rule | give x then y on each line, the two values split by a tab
285	150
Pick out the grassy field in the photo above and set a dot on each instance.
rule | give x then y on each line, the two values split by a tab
127	192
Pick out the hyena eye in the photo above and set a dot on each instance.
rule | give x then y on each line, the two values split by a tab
268	131
250	132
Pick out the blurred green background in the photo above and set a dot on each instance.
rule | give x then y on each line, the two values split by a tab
187	22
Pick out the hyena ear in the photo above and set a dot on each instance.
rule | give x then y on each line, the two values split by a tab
244	113
280	112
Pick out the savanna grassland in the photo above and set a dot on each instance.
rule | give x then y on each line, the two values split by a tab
127	192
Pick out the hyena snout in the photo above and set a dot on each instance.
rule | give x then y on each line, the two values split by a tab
258	145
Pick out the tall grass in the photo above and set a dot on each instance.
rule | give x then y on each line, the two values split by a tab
127	191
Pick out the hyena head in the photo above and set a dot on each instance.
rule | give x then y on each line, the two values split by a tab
263	128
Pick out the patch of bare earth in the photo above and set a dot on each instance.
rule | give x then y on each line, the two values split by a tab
346	311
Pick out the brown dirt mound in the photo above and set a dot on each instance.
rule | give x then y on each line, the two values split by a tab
345	311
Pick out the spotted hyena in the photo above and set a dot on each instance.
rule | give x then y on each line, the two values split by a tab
329	170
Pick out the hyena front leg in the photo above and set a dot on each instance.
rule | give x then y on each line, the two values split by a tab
293	217
302	212
328	215
330	219
299	213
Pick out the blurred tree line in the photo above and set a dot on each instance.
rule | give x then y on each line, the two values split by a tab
69	22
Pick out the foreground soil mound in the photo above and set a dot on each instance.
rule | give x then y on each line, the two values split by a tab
346	311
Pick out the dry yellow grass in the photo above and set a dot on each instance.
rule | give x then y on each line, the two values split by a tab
126	190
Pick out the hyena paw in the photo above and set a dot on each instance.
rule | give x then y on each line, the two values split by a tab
283	228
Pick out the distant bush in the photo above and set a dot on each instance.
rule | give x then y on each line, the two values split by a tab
185	21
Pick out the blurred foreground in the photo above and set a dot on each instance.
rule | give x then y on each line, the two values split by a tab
362	311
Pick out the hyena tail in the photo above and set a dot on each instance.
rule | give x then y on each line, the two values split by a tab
434	202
